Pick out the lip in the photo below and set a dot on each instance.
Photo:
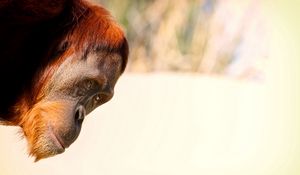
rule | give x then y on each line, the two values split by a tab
57	140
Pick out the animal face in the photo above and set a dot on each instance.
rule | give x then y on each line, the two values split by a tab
74	70
76	88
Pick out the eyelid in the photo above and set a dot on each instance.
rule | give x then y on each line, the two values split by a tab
90	84
104	97
100	80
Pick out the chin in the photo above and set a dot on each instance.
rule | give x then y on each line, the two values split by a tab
46	133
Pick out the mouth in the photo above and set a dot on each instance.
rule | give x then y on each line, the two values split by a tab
52	145
57	141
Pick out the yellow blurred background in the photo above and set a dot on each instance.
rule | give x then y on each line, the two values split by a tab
228	37
212	103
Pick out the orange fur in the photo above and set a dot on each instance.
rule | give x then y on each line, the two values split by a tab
37	122
90	29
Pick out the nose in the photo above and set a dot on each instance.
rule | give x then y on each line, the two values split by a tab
80	114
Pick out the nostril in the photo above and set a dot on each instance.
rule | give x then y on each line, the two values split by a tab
80	114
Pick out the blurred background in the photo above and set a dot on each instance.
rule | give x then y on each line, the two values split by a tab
212	87
227	37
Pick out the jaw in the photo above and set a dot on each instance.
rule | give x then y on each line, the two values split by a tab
42	131
45	145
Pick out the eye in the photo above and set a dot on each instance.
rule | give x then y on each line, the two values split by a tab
97	98
89	84
85	88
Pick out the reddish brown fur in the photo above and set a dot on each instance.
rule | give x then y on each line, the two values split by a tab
34	124
96	30
91	29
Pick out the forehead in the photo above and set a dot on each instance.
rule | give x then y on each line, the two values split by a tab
101	66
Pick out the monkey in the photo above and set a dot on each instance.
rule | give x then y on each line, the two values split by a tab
59	60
